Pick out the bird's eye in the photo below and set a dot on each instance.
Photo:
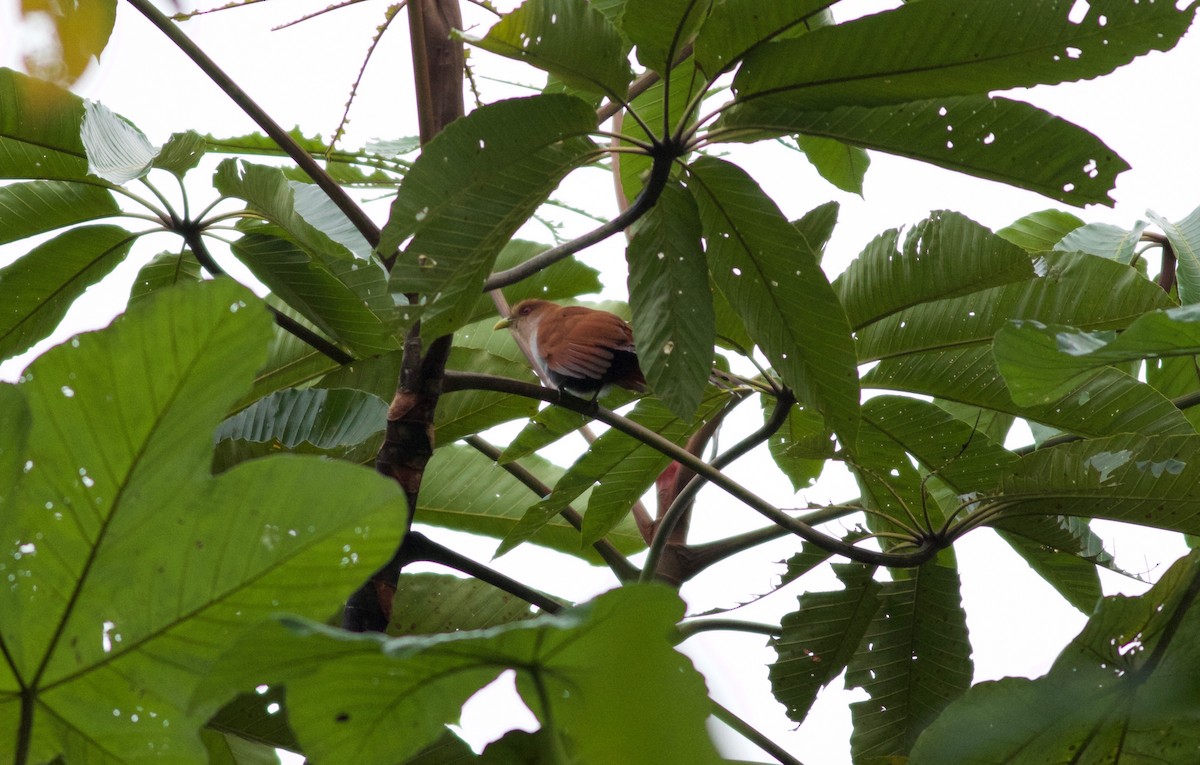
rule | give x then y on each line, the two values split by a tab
525	311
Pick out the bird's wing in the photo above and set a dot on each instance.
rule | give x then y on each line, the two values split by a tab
582	341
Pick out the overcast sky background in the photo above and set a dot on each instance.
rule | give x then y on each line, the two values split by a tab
301	75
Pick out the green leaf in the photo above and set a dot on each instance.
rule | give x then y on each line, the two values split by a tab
228	749
478	348
259	716
40	206
1124	691
1104	240
345	299
567	278
914	660
128	497
769	273
82	30
42	285
1071	288
944	256
1148	480
165	270
465	490
839	163
1063	551
603	676
116	150
473	186
672	306
820	638
1040	231
1106	403
430	604
660	29
737	27
993	138
939	48
1041	363
1184	237
290	363
567	38
181	153
544	428
39	130
14	421
801	447
633	163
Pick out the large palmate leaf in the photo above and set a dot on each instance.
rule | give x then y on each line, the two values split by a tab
1042	363
947	255
40	287
1124	691
465	490
914	659
39	130
737	27
568	38
39	206
938	48
769	273
602	678
674	325
994	138
468	193
1132	478
115	489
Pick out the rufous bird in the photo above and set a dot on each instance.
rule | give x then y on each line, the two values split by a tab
582	350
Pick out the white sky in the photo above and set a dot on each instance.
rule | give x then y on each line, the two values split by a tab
301	75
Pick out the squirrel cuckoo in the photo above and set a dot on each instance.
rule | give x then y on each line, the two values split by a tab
582	350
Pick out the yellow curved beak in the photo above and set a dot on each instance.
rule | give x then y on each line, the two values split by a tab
504	323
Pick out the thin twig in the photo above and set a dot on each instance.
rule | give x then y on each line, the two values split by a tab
753	735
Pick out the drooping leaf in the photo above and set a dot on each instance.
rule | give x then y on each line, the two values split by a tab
737	27
801	447
568	38
42	285
127	497
672	307
769	274
841	164
820	637
40	206
942	48
473	186
82	30
1063	551
1124	691
1184	237
944	256
913	661
1040	231
182	152
603	675
660	29
116	150
993	138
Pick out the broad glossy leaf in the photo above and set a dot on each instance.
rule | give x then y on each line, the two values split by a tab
1042	362
568	38
1148	480
473	186
1108	402
616	688
82	30
1124	691
1184	237
116	150
345	299
944	256
994	138
941	48
429	604
465	490
770	275
165	270
737	27
1070	288
913	661
40	206
674	325
1040	231
39	130
660	29
40	287
127	497
819	638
